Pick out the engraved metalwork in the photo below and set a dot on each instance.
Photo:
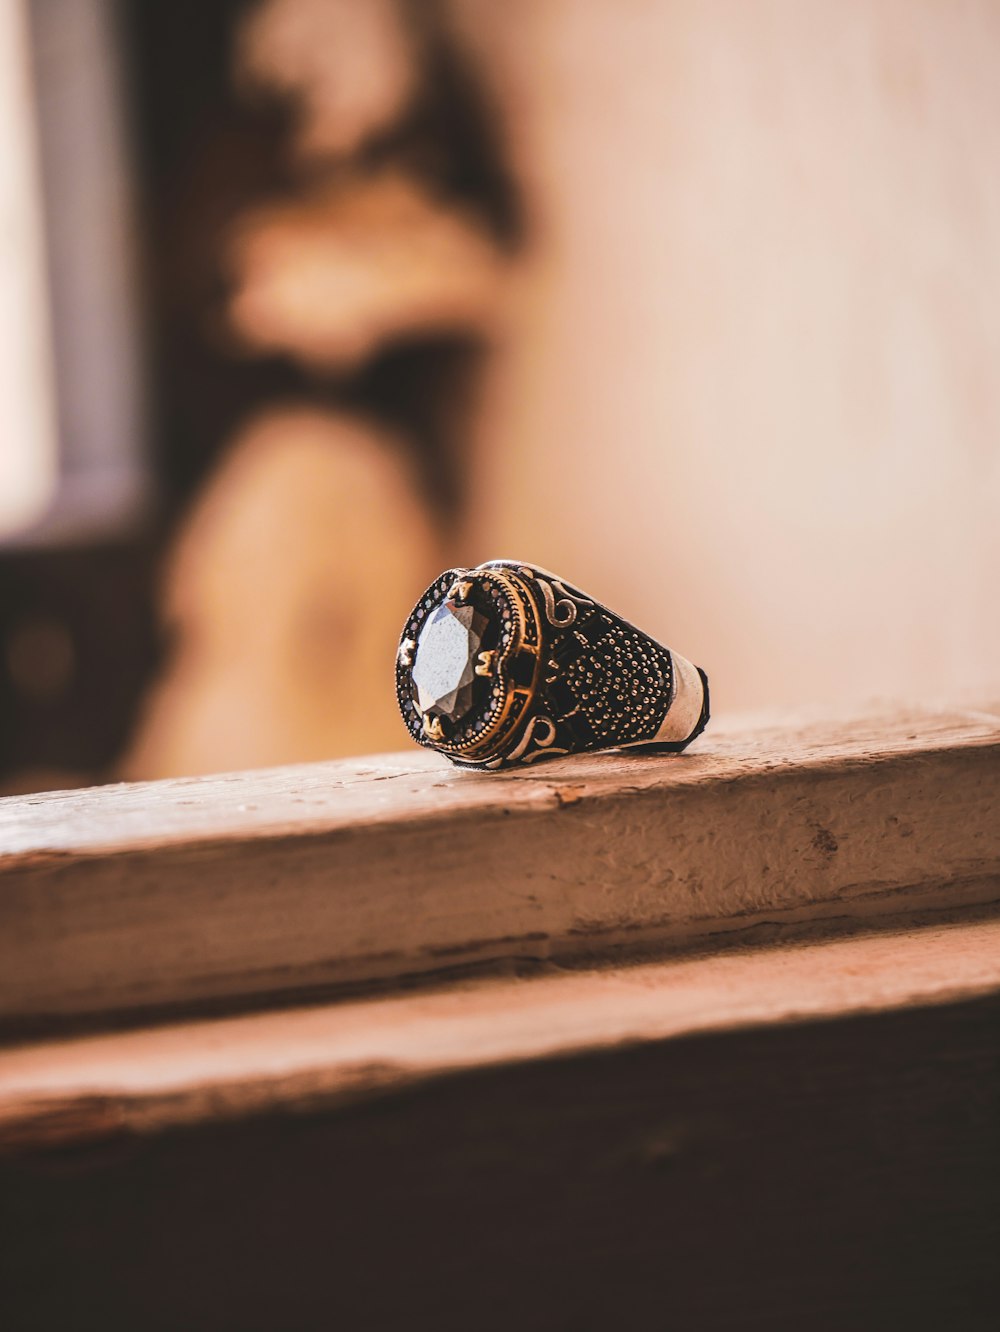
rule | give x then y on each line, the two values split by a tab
560	613
536	742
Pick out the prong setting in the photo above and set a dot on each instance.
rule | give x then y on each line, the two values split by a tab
486	663
432	727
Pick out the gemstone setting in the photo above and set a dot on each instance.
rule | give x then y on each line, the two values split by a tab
470	686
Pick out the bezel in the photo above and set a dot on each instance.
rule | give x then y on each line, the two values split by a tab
487	730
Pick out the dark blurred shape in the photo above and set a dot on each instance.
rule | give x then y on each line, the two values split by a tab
84	576
200	155
251	127
76	624
77	643
41	659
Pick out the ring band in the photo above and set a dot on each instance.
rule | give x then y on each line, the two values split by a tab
506	663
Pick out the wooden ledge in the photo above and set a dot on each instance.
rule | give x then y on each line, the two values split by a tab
189	892
61	1093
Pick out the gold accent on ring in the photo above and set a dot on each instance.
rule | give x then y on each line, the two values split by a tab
432	727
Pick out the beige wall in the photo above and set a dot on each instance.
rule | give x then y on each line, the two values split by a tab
750	389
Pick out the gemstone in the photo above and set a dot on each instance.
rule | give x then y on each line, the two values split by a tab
444	669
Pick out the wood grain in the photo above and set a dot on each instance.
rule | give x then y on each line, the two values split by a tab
258	884
58	1093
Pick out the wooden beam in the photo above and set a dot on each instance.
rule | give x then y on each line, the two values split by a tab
58	1093
257	884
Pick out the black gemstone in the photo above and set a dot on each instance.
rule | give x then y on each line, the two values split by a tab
444	668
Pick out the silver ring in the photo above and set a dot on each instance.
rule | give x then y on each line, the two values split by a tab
506	663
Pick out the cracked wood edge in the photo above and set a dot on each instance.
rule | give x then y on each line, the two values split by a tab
88	1088
258	884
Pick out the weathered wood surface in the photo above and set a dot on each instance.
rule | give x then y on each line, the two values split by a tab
57	1093
281	882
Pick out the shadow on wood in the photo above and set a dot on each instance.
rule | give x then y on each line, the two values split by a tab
822	1175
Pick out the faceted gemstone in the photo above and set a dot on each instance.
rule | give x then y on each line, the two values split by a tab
444	669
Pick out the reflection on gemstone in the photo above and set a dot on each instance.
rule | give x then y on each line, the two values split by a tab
444	667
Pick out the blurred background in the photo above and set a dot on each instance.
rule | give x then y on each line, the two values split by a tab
304	300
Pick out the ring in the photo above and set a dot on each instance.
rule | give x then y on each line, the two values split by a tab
506	663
